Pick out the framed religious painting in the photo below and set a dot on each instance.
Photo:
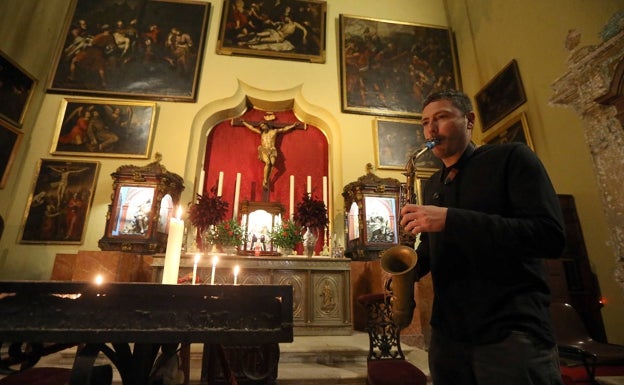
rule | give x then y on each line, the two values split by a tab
144	49
515	129
387	68
397	141
288	29
10	139
104	128
500	96
58	206
16	90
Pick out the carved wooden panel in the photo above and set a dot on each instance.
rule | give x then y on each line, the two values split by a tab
321	286
327	296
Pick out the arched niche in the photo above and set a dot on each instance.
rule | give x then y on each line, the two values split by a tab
283	103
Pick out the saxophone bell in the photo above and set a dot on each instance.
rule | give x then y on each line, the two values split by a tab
400	261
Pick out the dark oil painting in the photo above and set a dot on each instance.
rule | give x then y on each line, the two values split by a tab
59	202
148	49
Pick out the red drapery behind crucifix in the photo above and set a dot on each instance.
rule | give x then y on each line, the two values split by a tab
233	148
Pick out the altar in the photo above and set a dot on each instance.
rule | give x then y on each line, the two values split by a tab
321	285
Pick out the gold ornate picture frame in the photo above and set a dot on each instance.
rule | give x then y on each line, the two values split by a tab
16	90
500	96
514	129
153	50
291	29
10	139
387	67
58	207
396	140
104	128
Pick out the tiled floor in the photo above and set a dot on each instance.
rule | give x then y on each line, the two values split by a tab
308	360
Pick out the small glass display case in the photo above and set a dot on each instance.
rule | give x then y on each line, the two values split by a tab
372	208
143	201
258	220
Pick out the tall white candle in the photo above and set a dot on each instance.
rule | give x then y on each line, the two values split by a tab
309	189
200	184
220	185
236	270
215	259
325	190
292	198
195	268
174	247
236	196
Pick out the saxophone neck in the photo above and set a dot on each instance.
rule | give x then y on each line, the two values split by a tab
429	144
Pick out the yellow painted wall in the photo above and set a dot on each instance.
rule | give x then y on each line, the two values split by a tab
489	32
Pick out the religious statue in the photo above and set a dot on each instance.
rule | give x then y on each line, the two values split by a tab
267	152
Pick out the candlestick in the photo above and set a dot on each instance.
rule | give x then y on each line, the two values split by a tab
174	246
195	268
292	197
309	189
325	191
236	270
220	185
215	259
200	185
236	196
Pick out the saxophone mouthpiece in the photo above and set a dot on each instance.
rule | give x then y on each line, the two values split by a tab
431	143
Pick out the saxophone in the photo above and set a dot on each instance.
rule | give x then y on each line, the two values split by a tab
399	261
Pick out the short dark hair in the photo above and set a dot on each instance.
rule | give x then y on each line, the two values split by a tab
459	99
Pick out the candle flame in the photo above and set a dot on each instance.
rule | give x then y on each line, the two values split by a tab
197	257
99	279
215	259
236	269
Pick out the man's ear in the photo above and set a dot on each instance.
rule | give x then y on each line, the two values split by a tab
471	119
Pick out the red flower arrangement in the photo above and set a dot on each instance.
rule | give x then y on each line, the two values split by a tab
207	210
311	213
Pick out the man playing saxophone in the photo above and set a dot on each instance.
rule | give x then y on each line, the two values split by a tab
488	218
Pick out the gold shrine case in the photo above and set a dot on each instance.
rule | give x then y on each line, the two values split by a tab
372	207
143	201
258	221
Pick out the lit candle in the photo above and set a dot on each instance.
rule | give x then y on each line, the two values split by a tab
195	268
292	197
236	196
174	247
99	279
215	259
236	270
309	190
200	185
325	190
220	185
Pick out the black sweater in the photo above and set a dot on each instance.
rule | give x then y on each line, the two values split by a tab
487	269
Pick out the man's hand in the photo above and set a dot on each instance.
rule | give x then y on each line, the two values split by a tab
423	219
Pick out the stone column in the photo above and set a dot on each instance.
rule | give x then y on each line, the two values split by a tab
593	72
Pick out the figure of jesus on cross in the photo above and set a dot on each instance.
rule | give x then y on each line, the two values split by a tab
267	152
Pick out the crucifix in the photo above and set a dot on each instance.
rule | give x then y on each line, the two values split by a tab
267	151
